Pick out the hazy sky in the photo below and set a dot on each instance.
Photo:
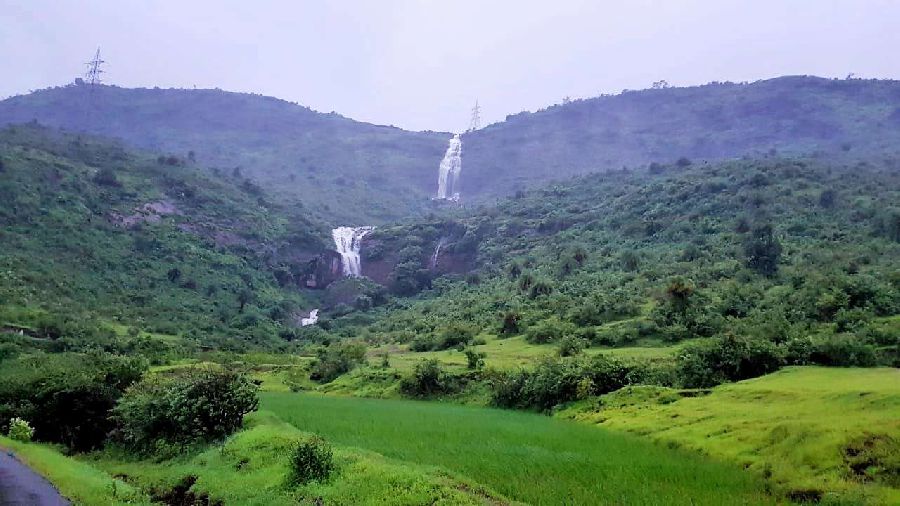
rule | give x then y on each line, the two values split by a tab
422	64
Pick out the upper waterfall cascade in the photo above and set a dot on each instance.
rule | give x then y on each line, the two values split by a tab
347	242
448	172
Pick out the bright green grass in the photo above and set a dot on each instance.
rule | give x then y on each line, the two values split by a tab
251	468
78	481
524	456
508	353
792	425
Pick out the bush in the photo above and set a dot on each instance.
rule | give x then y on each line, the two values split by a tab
570	346
337	359
762	250
548	331
67	397
106	177
194	406
729	358
20	430
842	350
474	359
311	460
557	381
428	379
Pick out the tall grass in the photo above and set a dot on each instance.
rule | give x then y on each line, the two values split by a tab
527	457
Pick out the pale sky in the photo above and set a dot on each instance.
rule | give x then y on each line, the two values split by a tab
421	64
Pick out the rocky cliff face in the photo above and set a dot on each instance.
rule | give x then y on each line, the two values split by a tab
406	259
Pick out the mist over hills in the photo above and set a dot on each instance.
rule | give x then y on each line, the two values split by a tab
348	172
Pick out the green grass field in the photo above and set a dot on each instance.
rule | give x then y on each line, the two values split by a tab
511	353
527	457
250	468
802	427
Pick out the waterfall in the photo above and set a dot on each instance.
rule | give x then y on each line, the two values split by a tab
347	242
437	251
313	318
448	172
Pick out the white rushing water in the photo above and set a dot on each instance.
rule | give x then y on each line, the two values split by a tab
437	252
448	172
313	318
347	242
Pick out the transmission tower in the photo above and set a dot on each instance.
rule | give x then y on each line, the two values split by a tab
475	123
92	76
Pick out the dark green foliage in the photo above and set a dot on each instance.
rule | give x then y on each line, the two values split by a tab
474	359
68	397
570	346
428	379
510	323
166	249
336	359
106	177
762	250
548	331
728	358
165	413
556	381
311	460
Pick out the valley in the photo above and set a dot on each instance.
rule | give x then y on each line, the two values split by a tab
666	296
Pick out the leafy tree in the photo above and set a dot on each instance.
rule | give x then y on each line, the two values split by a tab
337	359
428	379
106	177
762	250
162	413
474	359
67	397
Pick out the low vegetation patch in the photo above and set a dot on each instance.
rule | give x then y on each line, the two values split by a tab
525	456
812	433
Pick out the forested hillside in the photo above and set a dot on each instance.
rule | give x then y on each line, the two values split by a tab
345	171
101	244
353	173
787	115
797	253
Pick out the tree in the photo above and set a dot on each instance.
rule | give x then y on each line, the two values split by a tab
762	250
244	297
106	177
197	405
337	359
474	359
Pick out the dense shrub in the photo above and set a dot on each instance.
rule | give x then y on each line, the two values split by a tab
67	397
337	359
762	250
728	358
428	379
162	413
548	331
474	359
311	460
843	350
556	381
571	345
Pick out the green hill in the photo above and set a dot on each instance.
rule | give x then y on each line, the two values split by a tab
786	250
347	172
101	241
788	115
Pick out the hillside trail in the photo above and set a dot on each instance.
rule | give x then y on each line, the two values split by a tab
20	486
